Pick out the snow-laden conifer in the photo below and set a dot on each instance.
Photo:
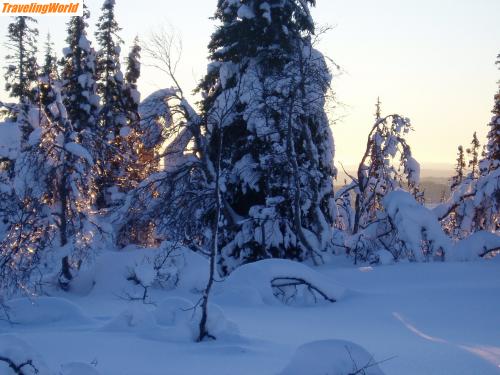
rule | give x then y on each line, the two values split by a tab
264	99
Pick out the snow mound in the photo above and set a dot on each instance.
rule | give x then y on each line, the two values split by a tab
272	281
77	368
175	319
111	274
476	245
19	352
44	310
108	276
384	257
135	318
182	315
173	310
217	323
193	270
331	357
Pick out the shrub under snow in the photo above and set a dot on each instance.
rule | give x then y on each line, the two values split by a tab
331	357
479	244
175	319
17	357
275	281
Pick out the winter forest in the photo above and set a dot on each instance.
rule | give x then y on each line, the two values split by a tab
161	235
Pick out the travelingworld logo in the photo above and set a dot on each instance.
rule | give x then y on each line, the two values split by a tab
41	8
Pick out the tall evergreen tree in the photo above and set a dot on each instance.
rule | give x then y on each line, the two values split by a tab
453	223
493	144
110	87
473	153
79	76
49	68
132	95
264	98
475	203
110	77
137	163
21	74
48	74
459	169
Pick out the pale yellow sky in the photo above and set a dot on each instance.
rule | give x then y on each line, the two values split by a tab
430	60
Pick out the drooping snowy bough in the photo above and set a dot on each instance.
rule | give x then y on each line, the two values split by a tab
419	235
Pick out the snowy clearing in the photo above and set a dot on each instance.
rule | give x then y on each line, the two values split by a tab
430	318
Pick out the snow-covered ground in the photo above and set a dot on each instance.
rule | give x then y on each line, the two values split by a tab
420	318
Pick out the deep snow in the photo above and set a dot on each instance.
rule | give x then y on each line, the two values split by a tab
423	318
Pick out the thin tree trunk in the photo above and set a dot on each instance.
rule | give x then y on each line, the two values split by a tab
22	83
292	157
203	330
63	227
357	216
63	230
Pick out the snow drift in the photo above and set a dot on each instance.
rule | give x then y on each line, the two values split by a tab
43	311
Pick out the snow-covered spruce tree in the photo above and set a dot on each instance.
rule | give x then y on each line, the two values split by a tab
49	67
453	222
132	95
475	204
47	76
78	75
112	116
473	153
488	212
21	73
277	148
387	165
459	169
54	189
493	144
140	161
